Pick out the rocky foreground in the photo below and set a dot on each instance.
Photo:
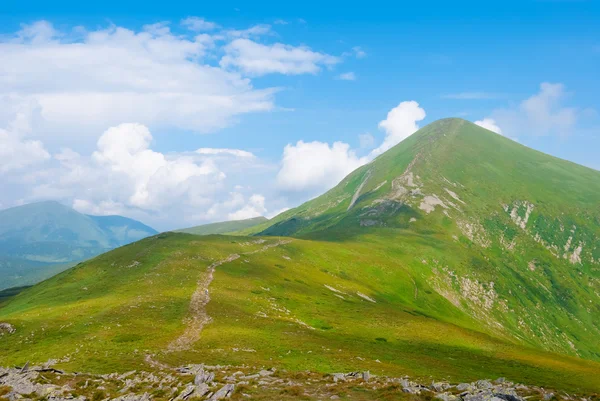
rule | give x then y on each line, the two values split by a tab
200	382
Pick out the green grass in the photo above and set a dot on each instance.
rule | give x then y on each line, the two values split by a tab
500	300
224	227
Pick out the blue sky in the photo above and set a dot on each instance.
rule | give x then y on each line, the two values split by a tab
86	80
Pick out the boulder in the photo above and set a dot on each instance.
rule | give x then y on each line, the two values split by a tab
366	376
224	392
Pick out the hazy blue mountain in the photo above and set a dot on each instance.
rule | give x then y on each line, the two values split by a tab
39	239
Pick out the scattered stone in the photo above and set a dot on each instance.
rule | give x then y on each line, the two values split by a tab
7	328
366	376
224	392
483	384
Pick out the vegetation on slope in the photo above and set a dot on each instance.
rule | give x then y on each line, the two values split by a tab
224	227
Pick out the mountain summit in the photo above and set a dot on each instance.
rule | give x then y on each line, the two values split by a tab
457	254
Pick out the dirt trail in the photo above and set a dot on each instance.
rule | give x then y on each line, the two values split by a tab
198	317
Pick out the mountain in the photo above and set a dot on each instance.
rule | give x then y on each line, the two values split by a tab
39	239
458	254
225	227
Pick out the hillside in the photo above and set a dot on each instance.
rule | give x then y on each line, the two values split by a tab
40	239
521	229
225	227
457	255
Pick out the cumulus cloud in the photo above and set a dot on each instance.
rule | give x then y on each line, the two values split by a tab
112	75
254	208
124	175
489	124
312	166
16	150
401	122
257	59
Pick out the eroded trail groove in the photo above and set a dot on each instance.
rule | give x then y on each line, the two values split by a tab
198	317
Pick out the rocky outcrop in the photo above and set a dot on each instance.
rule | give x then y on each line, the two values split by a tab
213	383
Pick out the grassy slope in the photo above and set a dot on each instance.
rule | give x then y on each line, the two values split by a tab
539	295
224	227
428	278
97	314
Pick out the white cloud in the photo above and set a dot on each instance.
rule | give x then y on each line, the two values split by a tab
347	76
221	151
259	59
312	166
113	75
541	114
254	208
16	150
489	124
253	31
401	122
198	24
124	175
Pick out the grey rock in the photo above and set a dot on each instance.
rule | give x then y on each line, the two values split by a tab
7	328
366	376
548	396
339	377
224	392
186	393
265	373
411	390
133	397
203	377
438	387
481	396
499	380
201	389
483	384
446	397
507	395
463	387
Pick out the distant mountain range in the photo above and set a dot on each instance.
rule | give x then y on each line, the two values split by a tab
225	227
40	239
